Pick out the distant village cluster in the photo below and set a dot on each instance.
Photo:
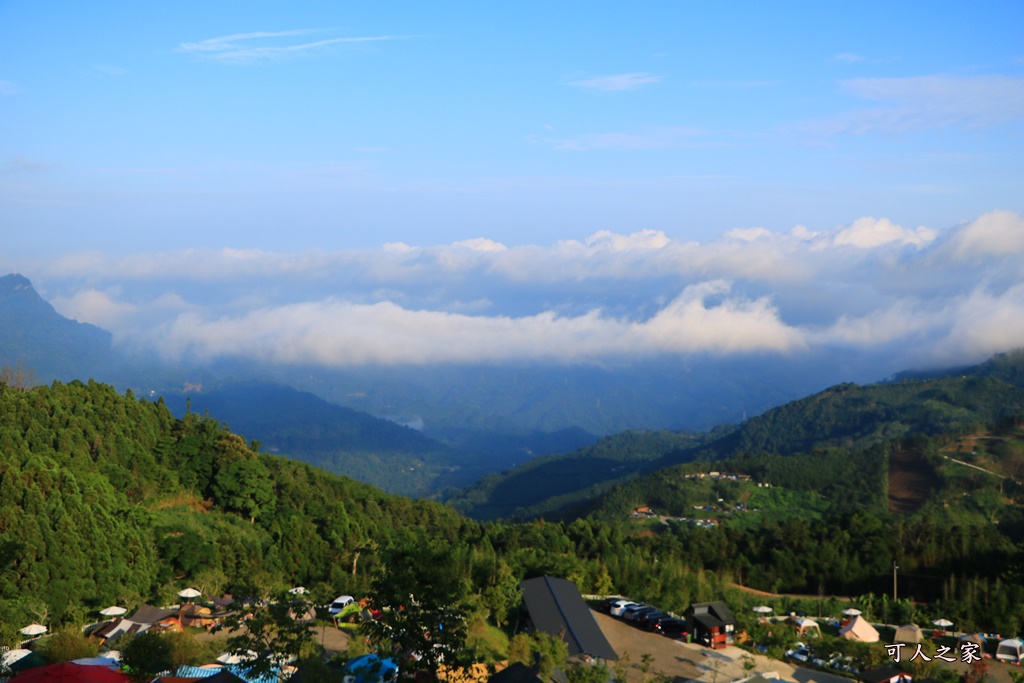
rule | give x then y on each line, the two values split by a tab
720	506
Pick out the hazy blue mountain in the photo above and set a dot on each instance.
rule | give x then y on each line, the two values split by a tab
692	393
483	404
36	337
302	426
844	416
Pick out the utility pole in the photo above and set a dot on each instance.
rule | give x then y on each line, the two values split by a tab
895	606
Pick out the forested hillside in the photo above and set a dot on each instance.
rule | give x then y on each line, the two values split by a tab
553	483
341	440
845	416
109	499
105	499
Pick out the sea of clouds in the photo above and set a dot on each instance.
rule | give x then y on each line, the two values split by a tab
923	295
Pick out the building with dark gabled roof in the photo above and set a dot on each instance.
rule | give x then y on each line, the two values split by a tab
884	674
711	623
557	608
520	673
147	614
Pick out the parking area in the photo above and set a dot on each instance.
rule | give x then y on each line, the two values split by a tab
690	662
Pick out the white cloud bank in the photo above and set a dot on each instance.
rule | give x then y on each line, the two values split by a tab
338	333
953	296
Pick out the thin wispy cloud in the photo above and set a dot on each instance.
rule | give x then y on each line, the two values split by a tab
111	70
24	165
925	103
617	82
264	46
9	88
652	138
733	85
846	58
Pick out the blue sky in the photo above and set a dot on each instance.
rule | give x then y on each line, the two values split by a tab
770	161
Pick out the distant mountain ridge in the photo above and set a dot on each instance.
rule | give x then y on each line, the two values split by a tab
844	416
47	346
491	411
35	336
340	440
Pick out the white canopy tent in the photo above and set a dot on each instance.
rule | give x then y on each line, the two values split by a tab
805	626
33	630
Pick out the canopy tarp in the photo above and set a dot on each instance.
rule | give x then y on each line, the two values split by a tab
30	661
804	625
69	672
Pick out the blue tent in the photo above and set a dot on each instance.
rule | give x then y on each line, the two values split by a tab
238	671
371	669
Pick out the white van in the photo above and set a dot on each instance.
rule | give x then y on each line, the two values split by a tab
340	603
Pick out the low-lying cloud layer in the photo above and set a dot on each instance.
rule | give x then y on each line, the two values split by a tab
924	295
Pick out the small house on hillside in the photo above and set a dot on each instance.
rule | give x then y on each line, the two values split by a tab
109	632
160	619
711	623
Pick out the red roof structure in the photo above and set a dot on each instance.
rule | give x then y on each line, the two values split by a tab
69	672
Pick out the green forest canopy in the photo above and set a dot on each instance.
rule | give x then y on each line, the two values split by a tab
110	499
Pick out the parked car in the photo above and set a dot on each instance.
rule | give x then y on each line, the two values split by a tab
616	607
633	615
629	612
667	625
800	653
646	619
340	603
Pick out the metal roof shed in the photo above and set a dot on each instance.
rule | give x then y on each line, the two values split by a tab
558	609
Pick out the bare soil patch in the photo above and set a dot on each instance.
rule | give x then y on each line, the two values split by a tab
911	479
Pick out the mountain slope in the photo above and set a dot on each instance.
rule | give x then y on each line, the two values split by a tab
38	338
845	416
552	483
338	439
